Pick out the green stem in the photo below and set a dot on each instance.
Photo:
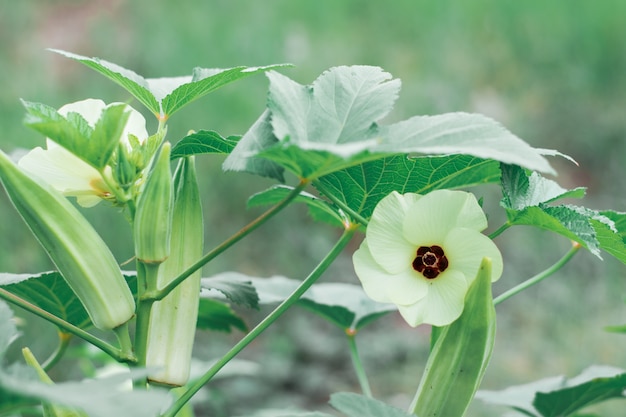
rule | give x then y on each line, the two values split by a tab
342	205
540	276
64	342
163	292
110	350
358	365
501	229
146	282
265	323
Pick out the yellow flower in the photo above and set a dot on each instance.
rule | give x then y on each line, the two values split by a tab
69	174
422	253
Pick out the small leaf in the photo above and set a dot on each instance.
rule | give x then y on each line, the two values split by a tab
362	187
50	292
215	315
319	209
106	136
127	79
612	239
521	190
203	142
204	81
355	405
236	287
164	96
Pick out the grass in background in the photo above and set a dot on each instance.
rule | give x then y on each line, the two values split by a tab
552	72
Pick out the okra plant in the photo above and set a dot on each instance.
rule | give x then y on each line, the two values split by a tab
401	187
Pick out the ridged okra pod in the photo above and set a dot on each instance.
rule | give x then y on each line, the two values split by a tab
173	319
460	355
77	250
153	218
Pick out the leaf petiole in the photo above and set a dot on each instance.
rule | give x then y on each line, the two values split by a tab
358	365
540	276
342	205
110	350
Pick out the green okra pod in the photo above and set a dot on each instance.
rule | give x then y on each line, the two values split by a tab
460	355
173	319
77	250
152	224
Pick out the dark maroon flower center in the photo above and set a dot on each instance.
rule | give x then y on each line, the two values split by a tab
430	261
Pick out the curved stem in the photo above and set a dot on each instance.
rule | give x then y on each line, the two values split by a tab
162	293
499	231
540	276
64	342
358	365
110	350
265	323
355	216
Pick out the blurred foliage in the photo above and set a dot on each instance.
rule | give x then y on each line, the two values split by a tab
552	72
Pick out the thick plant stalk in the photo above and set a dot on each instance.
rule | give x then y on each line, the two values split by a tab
77	250
460	355
173	320
153	218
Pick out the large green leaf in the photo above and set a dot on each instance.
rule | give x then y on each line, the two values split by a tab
363	186
204	142
559	396
165	96
355	405
334	124
344	305
50	292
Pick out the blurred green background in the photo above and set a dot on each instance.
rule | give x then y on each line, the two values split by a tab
552	72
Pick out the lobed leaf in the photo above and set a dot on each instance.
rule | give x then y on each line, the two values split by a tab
333	124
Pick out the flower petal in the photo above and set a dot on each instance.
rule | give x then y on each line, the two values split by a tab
384	233
373	278
430	219
136	126
465	250
443	304
90	109
404	288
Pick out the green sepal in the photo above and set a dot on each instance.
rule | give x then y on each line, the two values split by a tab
460	355
153	219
